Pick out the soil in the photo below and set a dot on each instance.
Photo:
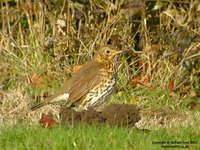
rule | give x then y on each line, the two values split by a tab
125	115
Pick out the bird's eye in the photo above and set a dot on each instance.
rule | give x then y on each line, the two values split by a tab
107	51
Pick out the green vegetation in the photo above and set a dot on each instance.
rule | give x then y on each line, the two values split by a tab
42	43
85	137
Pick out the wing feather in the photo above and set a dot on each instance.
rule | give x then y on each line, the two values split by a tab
88	79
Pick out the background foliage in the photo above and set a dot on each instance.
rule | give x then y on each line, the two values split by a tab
43	42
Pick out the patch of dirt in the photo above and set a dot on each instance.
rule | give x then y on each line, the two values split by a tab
125	115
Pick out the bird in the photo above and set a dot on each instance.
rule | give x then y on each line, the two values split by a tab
91	85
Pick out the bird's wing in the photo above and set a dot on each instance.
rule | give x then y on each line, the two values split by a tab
77	86
88	79
71	84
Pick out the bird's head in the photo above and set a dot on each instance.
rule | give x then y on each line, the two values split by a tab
106	53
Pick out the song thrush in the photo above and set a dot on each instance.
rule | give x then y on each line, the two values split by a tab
91	85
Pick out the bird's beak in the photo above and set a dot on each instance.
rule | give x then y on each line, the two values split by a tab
119	51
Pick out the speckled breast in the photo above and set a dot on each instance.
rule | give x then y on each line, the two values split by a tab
101	92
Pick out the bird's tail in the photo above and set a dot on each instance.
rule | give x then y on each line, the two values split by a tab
51	100
39	105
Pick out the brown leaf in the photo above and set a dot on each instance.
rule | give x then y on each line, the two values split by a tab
116	89
136	76
162	122
133	83
76	68
130	145
68	69
192	93
145	80
156	47
171	86
37	79
191	105
144	66
40	80
140	63
47	122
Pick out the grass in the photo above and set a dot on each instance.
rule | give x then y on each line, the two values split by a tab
166	124
95	137
152	33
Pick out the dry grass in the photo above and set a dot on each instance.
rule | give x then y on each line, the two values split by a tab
16	109
47	38
163	116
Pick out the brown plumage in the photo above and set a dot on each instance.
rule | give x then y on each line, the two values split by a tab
91	85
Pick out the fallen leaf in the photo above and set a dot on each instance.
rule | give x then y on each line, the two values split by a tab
192	93
141	82
140	62
76	68
37	79
133	83
116	89
130	145
144	66
47	122
42	80
162	122
156	47
145	80
136	76
171	86
191	105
